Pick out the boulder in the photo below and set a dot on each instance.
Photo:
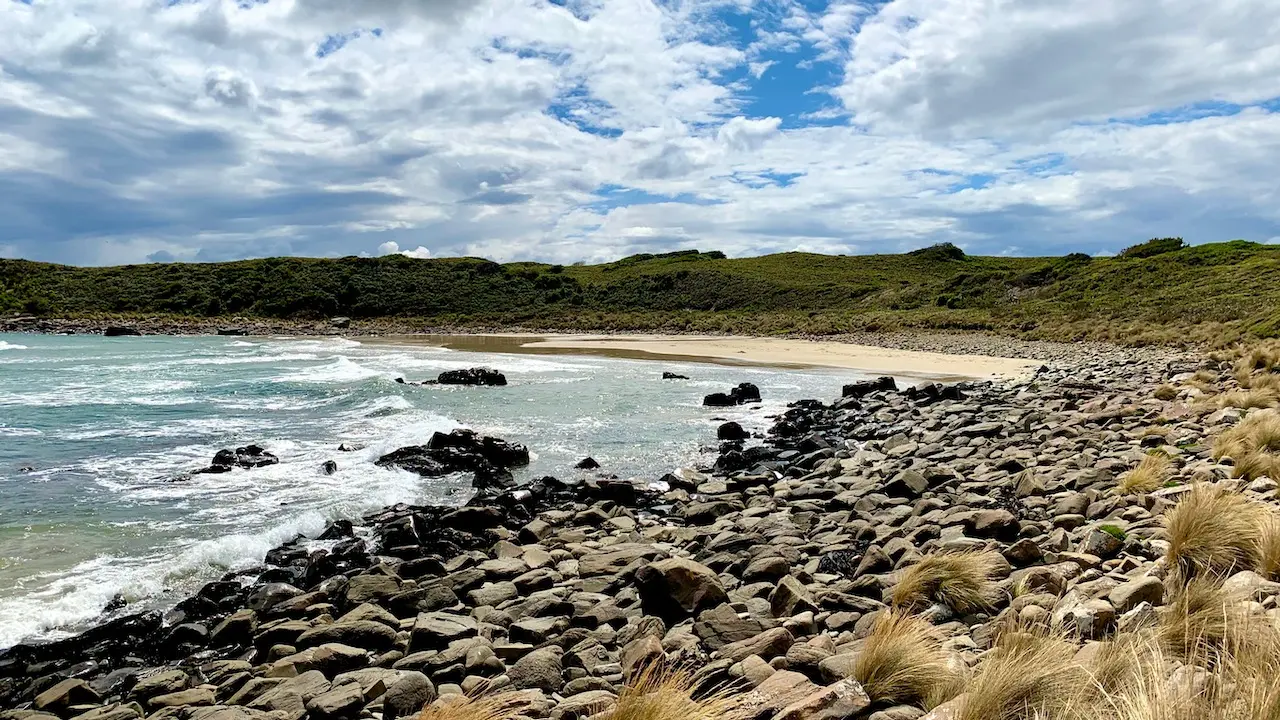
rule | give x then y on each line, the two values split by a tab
587	463
120	331
677	588
673	376
731	431
64	695
790	597
1129	595
862	388
540	669
840	700
247	457
407	696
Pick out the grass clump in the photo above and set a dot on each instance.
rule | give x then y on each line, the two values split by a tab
1027	676
1248	399
960	580
1212	530
1149	476
662	692
902	662
1269	547
1166	392
499	706
1253	446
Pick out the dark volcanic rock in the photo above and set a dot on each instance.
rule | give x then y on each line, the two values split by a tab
673	376
329	467
741	395
117	331
472	376
460	451
588	463
863	388
250	456
731	431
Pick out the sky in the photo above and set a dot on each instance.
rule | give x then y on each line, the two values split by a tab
588	130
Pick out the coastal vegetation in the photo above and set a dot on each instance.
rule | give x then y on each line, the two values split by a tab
1159	292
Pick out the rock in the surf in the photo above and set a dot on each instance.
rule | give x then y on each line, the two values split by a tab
587	463
458	451
248	457
741	395
329	467
673	376
119	331
472	376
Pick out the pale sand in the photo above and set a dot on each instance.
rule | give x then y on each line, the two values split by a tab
744	350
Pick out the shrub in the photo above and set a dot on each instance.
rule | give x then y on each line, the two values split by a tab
1212	530
959	580
902	661
1153	247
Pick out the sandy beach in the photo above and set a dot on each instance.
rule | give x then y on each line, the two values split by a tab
780	352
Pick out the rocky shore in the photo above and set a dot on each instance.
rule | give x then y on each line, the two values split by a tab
768	572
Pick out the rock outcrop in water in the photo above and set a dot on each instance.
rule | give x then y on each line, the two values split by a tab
469	376
461	451
741	395
770	571
248	457
120	331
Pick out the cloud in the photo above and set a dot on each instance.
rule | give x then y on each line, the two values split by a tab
391	247
591	129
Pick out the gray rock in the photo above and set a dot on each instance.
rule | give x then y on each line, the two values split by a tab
436	630
366	634
789	598
407	696
677	588
1147	589
540	669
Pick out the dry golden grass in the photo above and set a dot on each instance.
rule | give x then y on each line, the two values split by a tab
1269	547
661	692
1248	399
1202	624
1212	530
1166	392
1149	476
499	706
1027	676
1259	431
959	580
902	661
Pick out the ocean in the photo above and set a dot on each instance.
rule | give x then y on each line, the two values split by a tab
97	433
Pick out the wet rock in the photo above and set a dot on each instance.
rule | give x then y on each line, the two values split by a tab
247	457
472	376
120	331
673	376
732	431
587	463
329	467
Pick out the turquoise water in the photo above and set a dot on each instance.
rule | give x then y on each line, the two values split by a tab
105	424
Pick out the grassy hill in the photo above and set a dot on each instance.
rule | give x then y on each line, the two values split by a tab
1157	292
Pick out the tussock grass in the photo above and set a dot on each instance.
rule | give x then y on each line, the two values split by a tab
902	661
1027	676
1166	392
1248	399
1212	530
662	692
1149	476
1258	432
498	706
960	580
1269	547
1204	625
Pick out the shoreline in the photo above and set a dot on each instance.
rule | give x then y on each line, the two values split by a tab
736	350
774	560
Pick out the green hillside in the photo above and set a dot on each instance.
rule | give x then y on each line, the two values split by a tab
1156	292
